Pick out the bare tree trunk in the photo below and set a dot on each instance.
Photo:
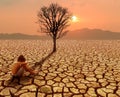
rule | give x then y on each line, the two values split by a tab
54	44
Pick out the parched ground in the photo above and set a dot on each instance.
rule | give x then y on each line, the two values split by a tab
77	69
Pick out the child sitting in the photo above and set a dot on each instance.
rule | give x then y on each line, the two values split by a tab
21	66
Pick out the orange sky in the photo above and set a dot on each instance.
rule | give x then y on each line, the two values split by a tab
19	16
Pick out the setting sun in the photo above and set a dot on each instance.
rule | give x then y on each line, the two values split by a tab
74	19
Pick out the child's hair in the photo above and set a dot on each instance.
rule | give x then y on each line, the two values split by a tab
21	58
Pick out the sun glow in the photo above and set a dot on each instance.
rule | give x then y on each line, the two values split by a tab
74	19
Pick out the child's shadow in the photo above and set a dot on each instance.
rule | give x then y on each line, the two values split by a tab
18	84
24	80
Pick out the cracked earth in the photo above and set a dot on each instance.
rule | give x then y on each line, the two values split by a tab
77	69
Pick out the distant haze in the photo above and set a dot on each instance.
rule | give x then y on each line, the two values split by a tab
94	34
82	34
22	36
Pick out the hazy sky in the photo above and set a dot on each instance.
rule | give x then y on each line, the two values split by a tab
19	16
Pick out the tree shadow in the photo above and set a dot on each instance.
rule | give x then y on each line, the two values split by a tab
43	60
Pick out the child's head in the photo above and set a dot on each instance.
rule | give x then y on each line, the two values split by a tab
21	58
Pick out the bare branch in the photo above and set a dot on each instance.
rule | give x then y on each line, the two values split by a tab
62	34
53	20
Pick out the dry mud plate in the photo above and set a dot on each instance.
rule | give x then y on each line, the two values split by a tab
77	69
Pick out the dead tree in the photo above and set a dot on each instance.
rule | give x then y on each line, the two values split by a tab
53	20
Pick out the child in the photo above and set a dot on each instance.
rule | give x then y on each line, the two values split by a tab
20	66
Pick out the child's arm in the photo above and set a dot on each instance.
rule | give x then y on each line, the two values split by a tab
28	69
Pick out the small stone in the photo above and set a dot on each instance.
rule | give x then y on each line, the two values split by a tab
46	89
